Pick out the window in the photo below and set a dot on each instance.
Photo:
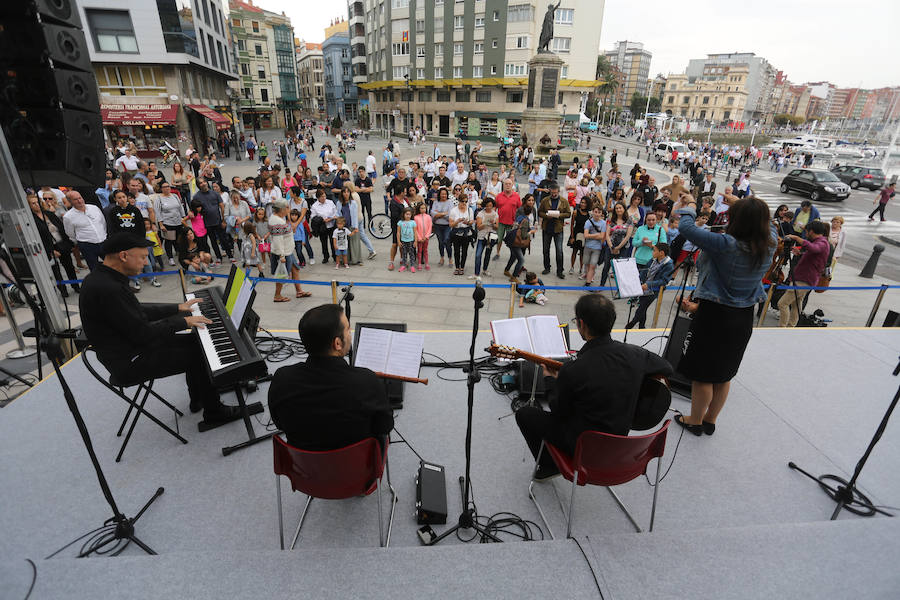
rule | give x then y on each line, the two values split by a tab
477	71
727	114
518	41
206	11
420	73
400	49
264	94
458	48
561	44
401	72
493	69
257	49
519	12
439	24
686	100
671	100
420	25
420	51
488	127
705	101
483	96
241	46
112	30
399	3
438	1
212	50
443	96
564	72
438	49
178	29
514	97
479	21
235	22
399	26
513	69
496	15
457	72
459	22
439	74
254	26
494	43
424	96
730	101
564	16
248	93
245	69
463	96
261	72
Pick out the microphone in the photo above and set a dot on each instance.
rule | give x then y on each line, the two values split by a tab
478	294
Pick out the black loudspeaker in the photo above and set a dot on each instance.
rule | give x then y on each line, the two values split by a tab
892	319
50	109
675	350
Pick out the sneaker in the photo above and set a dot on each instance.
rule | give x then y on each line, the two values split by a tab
136	286
346	266
155	282
486	273
372	255
171	262
561	275
472	276
390	266
427	267
507	273
312	261
402	268
413	269
545	271
571	270
337	266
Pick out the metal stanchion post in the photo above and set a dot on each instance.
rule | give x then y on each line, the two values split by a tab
877	305
22	351
334	291
658	306
762	316
512	298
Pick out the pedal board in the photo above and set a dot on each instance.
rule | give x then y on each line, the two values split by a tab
431	494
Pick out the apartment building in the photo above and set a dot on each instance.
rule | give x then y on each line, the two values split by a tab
709	101
461	67
311	75
633	62
759	82
341	98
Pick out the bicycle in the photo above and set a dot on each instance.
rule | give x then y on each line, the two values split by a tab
380	226
167	158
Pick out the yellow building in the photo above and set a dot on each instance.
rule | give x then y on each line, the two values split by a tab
712	101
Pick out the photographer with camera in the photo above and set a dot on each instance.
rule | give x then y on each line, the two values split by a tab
813	251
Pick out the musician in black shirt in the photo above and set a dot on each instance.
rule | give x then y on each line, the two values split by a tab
596	392
138	342
324	403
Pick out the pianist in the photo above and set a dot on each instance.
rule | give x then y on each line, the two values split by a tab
324	403
137	342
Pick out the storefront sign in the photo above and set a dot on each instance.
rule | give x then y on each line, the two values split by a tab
138	114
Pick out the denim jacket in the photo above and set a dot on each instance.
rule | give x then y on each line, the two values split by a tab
727	275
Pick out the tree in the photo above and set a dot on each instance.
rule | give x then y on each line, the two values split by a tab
639	103
336	122
783	119
604	68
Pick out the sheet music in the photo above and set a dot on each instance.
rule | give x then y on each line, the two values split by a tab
628	280
241	303
372	350
547	336
405	354
513	333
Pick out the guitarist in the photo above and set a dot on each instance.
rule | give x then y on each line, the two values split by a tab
597	392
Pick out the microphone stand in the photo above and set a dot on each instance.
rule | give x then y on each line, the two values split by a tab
346	299
468	518
847	495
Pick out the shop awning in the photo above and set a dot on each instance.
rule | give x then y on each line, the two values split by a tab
221	121
138	114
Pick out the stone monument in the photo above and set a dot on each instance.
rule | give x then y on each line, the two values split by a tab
541	118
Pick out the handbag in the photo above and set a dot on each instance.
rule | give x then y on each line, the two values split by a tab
169	234
265	247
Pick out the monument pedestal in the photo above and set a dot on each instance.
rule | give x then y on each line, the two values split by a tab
541	118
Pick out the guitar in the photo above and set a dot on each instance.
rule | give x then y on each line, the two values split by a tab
654	397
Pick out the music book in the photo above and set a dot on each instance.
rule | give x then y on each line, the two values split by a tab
628	280
538	334
390	352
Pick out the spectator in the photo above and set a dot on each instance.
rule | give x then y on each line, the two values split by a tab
553	213
806	272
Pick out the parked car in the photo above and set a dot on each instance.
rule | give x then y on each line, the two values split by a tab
663	150
818	184
588	127
856	176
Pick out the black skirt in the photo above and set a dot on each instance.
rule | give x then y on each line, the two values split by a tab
715	344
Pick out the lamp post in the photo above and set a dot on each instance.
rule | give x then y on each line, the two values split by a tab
647	108
408	116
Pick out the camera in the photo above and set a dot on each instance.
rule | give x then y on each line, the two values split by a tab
816	319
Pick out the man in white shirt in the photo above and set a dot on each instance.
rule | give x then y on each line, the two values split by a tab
460	176
86	226
371	166
127	163
142	201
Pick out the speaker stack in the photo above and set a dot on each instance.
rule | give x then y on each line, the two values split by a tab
49	104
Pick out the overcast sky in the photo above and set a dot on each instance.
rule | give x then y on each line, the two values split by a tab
847	43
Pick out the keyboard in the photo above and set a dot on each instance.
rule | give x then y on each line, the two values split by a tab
231	356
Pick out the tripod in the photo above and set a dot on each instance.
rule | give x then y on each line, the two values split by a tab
467	519
846	495
118	529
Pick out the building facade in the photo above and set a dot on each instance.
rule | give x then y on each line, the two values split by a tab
341	99
708	102
267	65
461	68
162	68
633	62
311	74
759	82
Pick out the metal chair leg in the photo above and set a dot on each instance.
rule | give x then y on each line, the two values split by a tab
280	514
131	403
532	496
394	501
380	524
137	414
655	491
572	505
622	506
300	524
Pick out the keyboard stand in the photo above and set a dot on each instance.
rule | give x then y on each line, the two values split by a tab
246	411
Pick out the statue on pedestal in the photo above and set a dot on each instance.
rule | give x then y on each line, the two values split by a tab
547	29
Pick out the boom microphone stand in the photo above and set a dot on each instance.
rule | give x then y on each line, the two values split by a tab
118	529
846	495
467	520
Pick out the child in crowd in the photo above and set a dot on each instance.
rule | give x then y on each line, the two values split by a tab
156	252
406	239
536	295
658	274
340	240
261	222
249	248
423	233
299	235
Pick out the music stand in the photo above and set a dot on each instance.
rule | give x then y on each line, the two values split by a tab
628	283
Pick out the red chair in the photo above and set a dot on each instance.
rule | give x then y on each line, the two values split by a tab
605	459
347	472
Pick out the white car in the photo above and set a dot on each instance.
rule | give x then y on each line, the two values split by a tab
663	150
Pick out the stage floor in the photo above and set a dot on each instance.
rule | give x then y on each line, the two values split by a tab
811	396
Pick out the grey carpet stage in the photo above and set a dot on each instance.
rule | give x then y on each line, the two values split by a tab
729	504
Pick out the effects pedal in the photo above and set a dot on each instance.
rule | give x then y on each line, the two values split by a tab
431	496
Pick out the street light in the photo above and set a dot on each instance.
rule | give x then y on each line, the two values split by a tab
647	108
408	116
563	123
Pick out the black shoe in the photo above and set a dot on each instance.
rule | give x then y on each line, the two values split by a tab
561	275
695	429
545	271
545	473
196	405
709	428
221	413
